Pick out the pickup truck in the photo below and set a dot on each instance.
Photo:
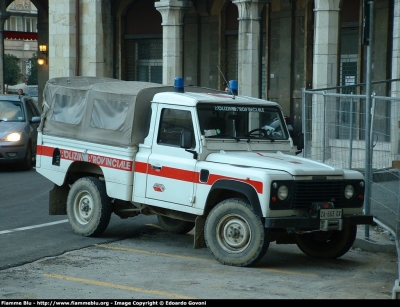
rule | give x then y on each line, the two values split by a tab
216	164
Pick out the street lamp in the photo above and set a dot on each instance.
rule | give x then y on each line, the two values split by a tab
4	15
43	51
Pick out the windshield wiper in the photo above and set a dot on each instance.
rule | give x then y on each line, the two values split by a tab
226	136
259	133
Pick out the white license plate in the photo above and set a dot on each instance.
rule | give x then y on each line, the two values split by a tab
330	214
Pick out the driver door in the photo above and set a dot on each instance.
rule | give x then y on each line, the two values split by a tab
171	173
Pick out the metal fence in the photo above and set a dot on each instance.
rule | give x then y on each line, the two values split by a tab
335	132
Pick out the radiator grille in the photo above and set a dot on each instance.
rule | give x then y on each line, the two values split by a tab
307	192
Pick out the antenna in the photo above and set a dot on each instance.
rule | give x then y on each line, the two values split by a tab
232	85
226	82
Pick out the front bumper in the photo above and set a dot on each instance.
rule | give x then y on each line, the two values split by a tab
314	223
12	153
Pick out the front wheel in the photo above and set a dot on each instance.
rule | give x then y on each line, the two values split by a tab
174	225
27	164
327	244
234	234
88	207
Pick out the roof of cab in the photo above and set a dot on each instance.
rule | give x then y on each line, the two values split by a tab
193	98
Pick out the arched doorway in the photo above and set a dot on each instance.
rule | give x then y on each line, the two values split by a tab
141	41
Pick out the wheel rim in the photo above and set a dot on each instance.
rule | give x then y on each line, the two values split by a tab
170	221
83	208
233	233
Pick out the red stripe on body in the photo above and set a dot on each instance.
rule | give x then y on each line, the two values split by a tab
258	185
71	155
45	151
142	167
174	173
190	176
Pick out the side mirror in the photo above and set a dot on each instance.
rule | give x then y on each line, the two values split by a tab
186	139
35	120
300	143
186	142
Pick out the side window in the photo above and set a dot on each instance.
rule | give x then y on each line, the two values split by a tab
68	109
29	110
108	114
173	122
32	110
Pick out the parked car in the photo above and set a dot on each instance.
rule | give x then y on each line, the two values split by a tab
32	91
19	120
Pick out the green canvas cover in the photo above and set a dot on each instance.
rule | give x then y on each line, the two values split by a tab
101	110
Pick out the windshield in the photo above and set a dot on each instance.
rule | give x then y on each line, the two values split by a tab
11	111
247	121
32	91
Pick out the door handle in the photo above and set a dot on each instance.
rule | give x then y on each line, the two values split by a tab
157	168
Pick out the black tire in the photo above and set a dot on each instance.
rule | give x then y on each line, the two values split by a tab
234	234
27	164
174	225
88	207
327	244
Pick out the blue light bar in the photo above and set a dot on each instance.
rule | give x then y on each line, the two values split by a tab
178	85
233	86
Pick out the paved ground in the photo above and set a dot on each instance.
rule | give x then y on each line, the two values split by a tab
380	239
156	265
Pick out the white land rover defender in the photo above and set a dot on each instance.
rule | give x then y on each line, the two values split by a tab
217	162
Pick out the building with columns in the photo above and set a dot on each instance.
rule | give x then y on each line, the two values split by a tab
20	33
274	48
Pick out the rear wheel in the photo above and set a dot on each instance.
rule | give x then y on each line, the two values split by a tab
327	244
88	207
174	225
234	234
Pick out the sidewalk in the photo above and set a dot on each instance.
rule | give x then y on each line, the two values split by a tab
379	240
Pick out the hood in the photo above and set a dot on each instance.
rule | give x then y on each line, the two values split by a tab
294	165
8	127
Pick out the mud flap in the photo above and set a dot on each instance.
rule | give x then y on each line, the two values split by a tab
199	241
58	200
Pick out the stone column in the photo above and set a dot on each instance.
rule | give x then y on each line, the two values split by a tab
96	44
249	40
326	42
172	12
325	66
62	33
395	106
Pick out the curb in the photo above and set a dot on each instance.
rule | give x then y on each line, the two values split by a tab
371	245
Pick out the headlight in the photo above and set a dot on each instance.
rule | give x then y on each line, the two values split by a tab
349	191
12	137
283	192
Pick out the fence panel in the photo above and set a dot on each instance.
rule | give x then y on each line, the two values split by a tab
334	133
334	122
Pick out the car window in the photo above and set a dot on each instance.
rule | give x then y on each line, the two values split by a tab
31	106
11	111
29	109
172	123
32	91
